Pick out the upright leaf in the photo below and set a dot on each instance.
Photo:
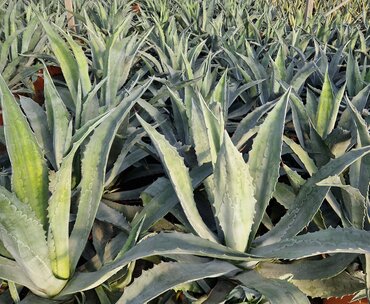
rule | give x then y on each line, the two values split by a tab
58	118
234	196
328	107
264	158
29	168
59	205
67	61
360	171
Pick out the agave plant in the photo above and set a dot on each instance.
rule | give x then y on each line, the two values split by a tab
239	207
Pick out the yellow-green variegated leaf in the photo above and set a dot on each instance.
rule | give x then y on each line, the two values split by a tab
60	202
24	237
234	200
39	124
29	168
180	179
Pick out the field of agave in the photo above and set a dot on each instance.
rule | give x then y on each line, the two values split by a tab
184	151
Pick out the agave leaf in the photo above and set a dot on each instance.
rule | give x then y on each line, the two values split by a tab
103	298
202	144
200	135
279	65
346	240
259	72
214	125
90	106
338	286
29	168
180	179
243	130
118	166
328	107
67	62
284	195
367	274
311	104
353	75
353	201
93	167
81	60
309	199
264	158
11	271
32	299
166	276
301	76
301	119
38	121
294	178
112	216
161	244
220	93
24	237
58	118
166	199
234	196
360	171
164	124
118	63
59	206
359	101
276	291
308	269
180	117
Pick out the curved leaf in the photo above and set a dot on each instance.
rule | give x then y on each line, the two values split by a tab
346	240
307	269
338	286
276	291
161	244
166	276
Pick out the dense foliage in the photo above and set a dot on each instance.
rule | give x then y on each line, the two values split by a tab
193	151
